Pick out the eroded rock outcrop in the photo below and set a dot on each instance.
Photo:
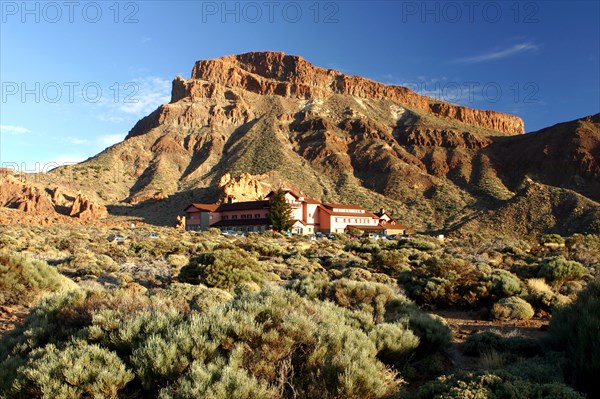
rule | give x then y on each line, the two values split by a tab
278	74
86	209
245	188
42	205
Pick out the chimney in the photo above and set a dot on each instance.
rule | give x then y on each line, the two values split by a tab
230	200
381	210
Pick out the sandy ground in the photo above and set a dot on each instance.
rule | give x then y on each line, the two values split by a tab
464	323
10	316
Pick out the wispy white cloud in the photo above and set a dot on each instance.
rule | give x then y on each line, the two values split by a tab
110	139
144	95
77	141
10	129
443	88
137	98
104	140
499	54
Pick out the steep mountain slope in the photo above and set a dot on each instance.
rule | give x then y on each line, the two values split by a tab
263	120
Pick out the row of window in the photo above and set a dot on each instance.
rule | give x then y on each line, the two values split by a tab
246	216
354	220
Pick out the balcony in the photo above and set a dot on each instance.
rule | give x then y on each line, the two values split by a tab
295	204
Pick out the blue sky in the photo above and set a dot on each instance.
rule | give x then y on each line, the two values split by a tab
76	76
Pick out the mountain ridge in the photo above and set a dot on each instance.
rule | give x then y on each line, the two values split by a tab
268	120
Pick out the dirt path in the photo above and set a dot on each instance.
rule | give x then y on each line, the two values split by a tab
10	316
464	323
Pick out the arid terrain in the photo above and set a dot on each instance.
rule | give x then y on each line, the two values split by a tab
245	124
495	295
273	316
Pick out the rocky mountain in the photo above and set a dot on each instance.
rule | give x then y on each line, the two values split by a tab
244	124
25	201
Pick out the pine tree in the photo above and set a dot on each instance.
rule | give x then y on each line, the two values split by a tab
280	213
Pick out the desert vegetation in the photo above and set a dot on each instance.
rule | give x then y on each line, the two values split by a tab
182	314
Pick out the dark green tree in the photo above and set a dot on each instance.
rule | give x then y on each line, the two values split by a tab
280	213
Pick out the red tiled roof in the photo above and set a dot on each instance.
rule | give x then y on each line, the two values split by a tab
204	207
394	225
285	190
311	201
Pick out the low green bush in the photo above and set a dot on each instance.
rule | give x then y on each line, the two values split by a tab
75	371
490	341
444	281
575	329
498	385
512	308
23	281
503	284
270	344
223	268
552	239
422	243
390	262
559	270
365	245
395	343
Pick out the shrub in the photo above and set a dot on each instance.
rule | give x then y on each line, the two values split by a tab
395	343
273	338
432	330
177	261
444	281
541	295
549	368
503	284
512	308
311	286
365	245
381	303
390	262
261	247
575	329
223	268
422	243
269	344
552	239
491	341
218	381
24	281
558	270
369	297
498	385
79	370
197	297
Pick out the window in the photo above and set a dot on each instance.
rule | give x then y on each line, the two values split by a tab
225	217
210	216
234	217
257	215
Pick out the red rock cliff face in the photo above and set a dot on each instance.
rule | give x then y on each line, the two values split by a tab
271	73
